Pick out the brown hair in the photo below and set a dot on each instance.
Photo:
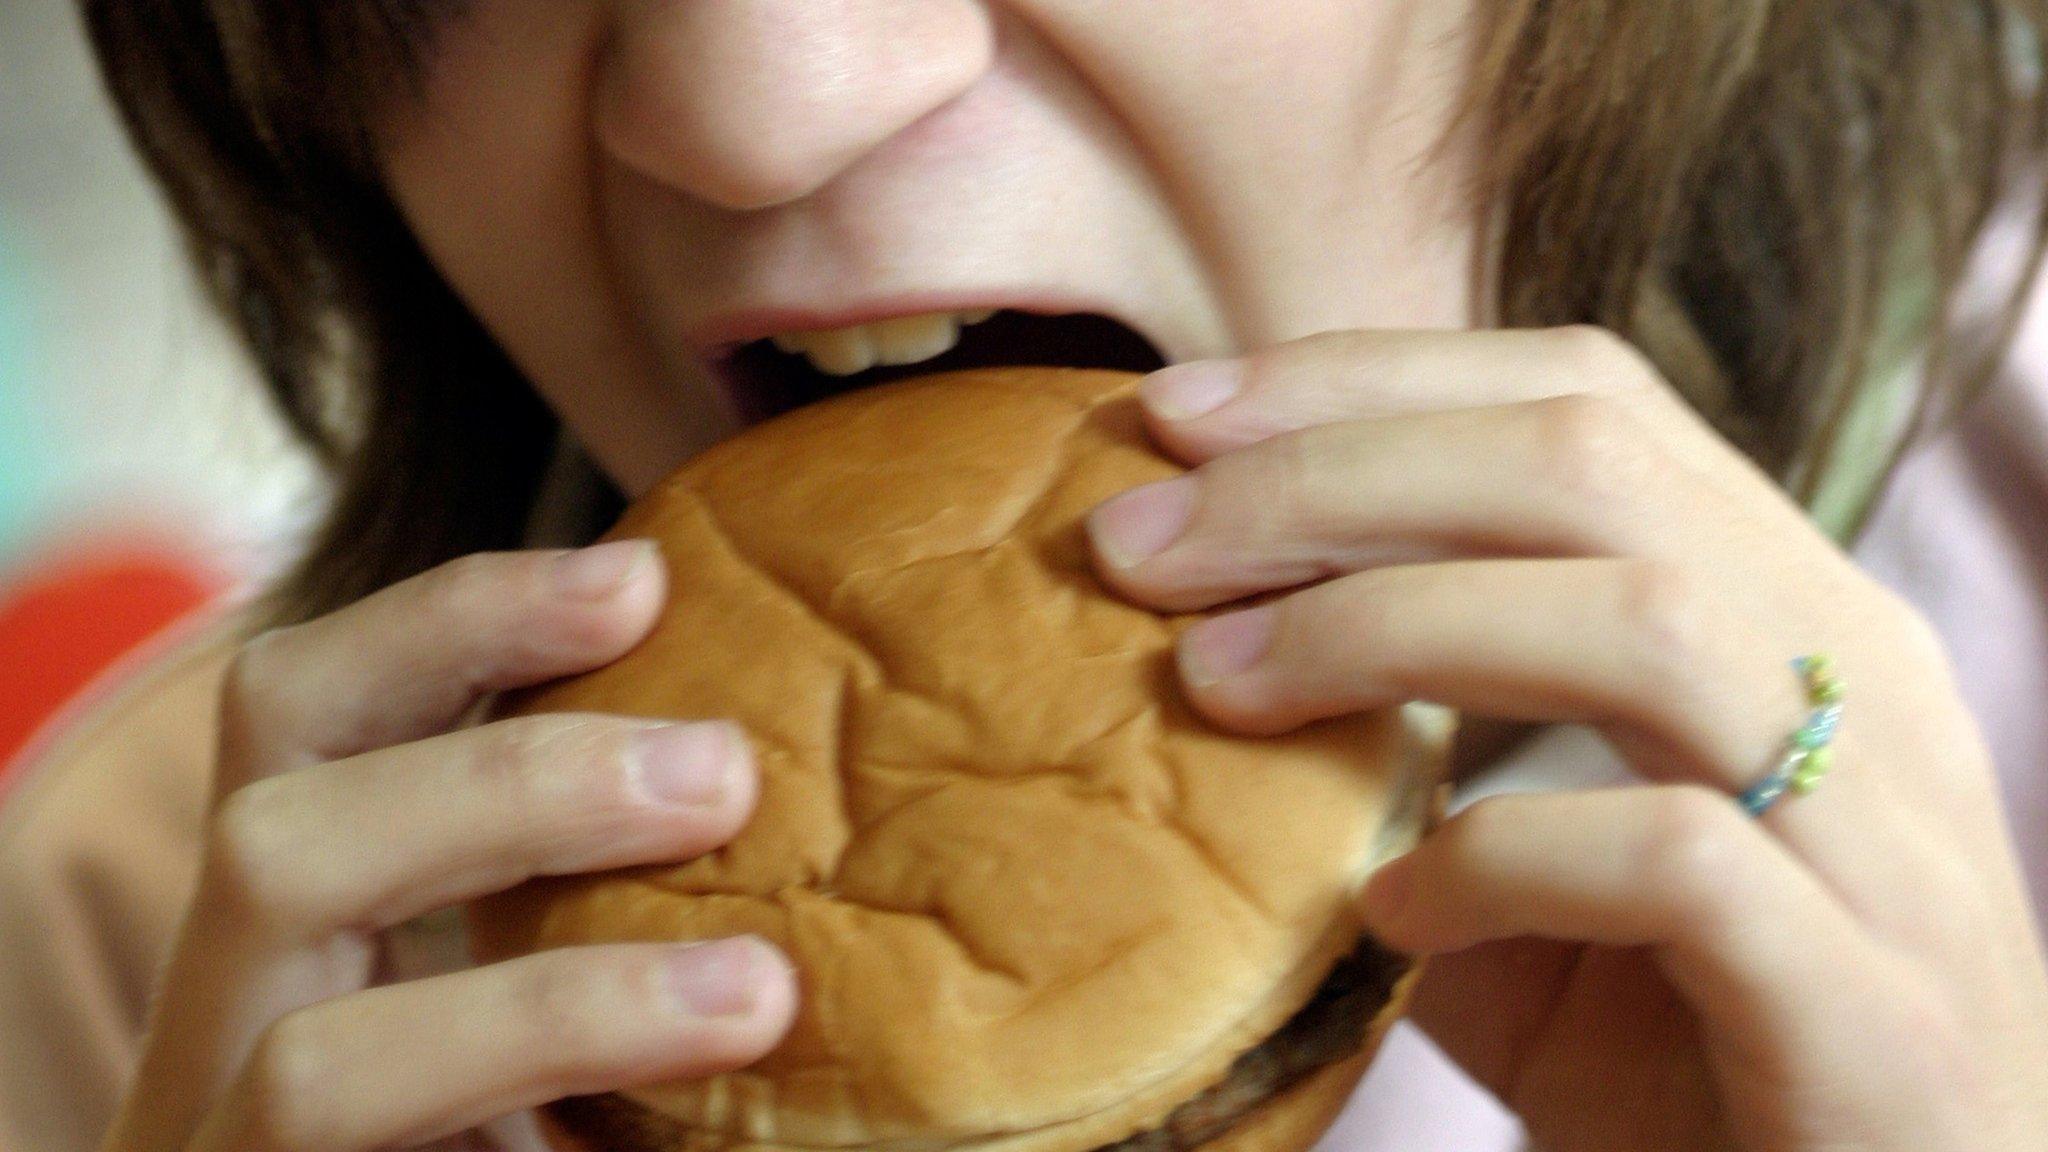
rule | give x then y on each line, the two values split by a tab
1774	199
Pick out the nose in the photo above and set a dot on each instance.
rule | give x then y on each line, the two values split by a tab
752	103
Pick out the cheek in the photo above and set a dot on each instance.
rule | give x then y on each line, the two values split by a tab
489	165
1299	139
494	168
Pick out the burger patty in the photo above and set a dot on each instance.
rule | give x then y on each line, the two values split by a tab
1330	1027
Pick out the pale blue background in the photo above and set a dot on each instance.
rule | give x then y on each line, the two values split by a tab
123	404
22	467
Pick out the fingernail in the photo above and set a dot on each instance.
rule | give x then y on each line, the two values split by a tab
599	571
723	978
1388	891
1225	646
688	764
1197	388
1139	524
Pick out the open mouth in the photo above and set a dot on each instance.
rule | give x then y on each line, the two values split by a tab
764	381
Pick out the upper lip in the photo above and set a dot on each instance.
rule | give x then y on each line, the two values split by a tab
722	333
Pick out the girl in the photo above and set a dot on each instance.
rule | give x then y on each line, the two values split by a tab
1545	353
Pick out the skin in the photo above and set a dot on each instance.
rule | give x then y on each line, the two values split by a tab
1527	526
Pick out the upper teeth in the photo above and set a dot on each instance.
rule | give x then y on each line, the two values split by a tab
904	340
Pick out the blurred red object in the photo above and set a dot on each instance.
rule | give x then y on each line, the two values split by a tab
70	619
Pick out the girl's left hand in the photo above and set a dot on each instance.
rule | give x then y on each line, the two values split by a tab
1531	525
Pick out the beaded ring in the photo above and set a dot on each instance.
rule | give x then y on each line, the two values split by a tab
1807	756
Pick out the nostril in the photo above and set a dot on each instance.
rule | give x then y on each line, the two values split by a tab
747	104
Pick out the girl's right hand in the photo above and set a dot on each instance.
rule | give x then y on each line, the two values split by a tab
346	803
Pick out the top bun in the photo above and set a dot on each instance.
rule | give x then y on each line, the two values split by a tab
1034	902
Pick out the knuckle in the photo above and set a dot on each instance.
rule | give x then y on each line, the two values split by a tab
1944	1049
1301	481
1591	449
1482	831
249	685
1690	857
509	615
1966	912
503	763
463	587
1466	834
290	1075
519	757
1597	356
564	1002
1288	494
503	749
1360	614
537	769
1351	633
1954	911
251	852
1670	617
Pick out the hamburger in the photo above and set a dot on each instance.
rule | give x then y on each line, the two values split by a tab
1034	902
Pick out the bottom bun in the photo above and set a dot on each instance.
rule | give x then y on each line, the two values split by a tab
1290	1122
1299	1117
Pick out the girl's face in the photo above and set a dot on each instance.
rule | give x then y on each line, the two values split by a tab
623	188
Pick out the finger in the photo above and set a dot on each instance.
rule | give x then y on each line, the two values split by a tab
301	870
1778	971
1202	409
1645	651
1486	1005
405	1064
409	661
1598	1034
1677	680
1571	476
460	816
